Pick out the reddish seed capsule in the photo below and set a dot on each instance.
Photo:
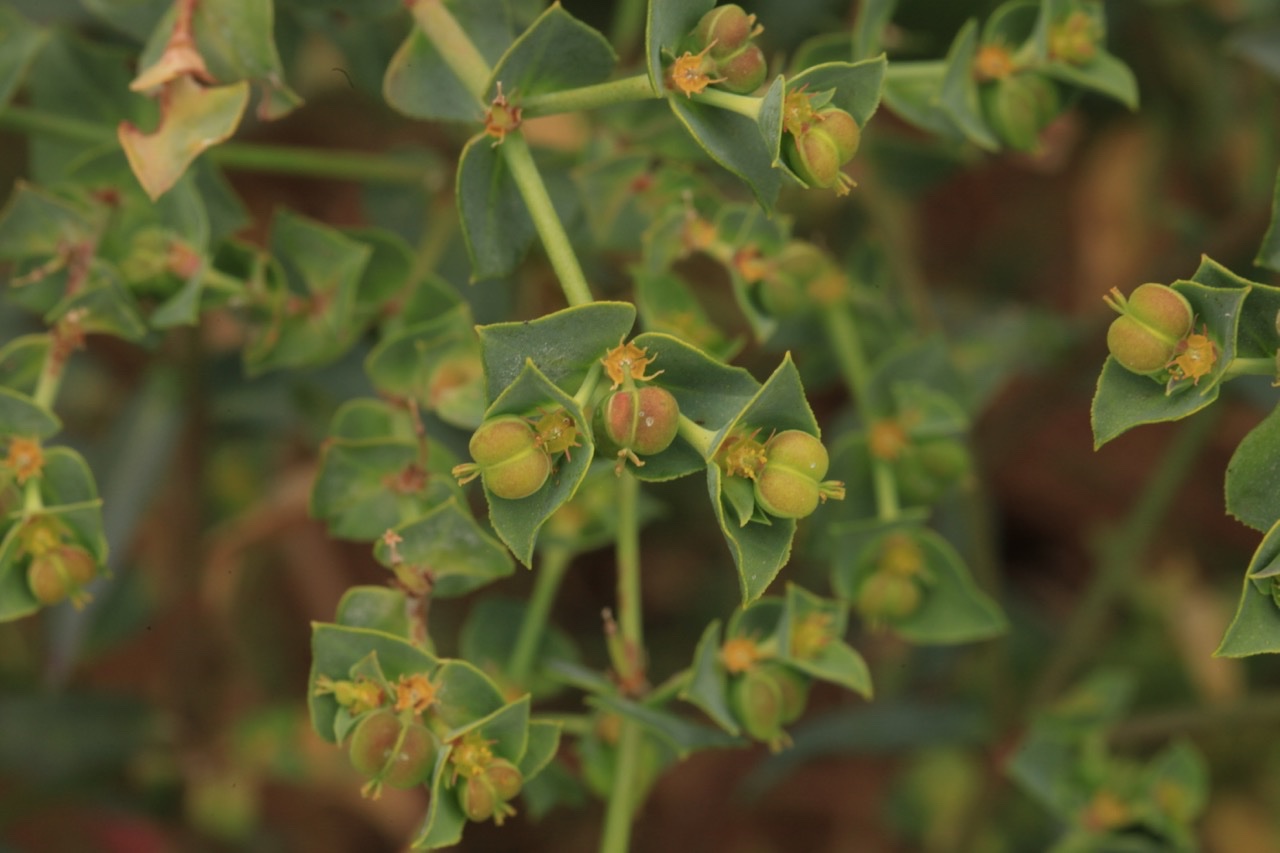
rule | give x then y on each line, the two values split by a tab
59	573
640	421
375	754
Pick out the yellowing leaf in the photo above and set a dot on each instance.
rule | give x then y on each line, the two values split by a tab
193	118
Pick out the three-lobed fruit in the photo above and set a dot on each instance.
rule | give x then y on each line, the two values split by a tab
767	697
59	572
485	794
726	28
790	483
392	751
888	596
508	457
1153	319
643	420
1018	107
822	147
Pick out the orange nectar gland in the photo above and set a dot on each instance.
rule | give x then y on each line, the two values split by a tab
501	118
470	756
627	360
1075	39
25	459
993	62
739	654
1196	356
414	693
557	432
689	75
900	555
887	439
743	456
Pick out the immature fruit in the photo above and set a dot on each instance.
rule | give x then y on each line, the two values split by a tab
485	795
927	470
1153	320
793	687
758	704
842	129
887	596
790	484
379	752
60	572
782	290
1018	107
728	26
643	420
815	158
508	457
744	71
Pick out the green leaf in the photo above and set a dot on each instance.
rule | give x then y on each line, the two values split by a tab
464	694
336	649
1253	475
759	550
443	824
314	307
38	224
708	683
193	119
488	639
959	96
855	87
915	98
680	734
556	52
21	416
1258	335
109	307
517	521
564	345
667	305
1256	626
386	274
874	17
1269	251
735	142
668	23
377	608
506	730
420	84
769	117
1125	400
543	744
21	362
836	662
20	40
952	608
237	42
745	226
451	545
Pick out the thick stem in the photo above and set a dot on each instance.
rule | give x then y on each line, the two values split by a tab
626	32
555	560
1120	557
635	88
617	819
519	158
842	332
743	105
455	46
630	624
699	438
1251	367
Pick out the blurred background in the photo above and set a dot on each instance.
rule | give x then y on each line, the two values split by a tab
170	713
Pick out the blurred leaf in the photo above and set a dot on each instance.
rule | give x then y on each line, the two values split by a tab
236	39
109	307
1256	626
1125	400
564	345
667	305
193	119
958	97
21	362
1253	475
557	52
735	142
81	736
443	824
708	684
1258	335
420	84
386	274
517	521
21	416
451	545
543	744
20	40
38	224
836	661
680	734
874	17
505	730
377	608
488	639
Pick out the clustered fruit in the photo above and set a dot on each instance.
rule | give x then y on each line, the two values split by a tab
894	587
765	694
58	569
818	140
1018	102
1154	335
786	471
721	51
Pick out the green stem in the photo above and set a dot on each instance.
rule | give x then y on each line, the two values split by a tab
668	689
617	819
627	28
515	150
1120	555
455	46
588	386
634	88
630	625
1251	367
1261	709
242	156
743	105
699	438
842	332
555	560
222	282
907	71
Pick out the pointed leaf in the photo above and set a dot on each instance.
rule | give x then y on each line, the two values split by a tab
451	545
38	224
556	52
495	221
19	41
836	661
708	684
735	142
544	743
464	694
445	819
109	307
21	416
506	730
517	522
564	345
959	97
1125	400
855	87
759	551
377	608
21	362
193	119
1269	251
1253	475
680	734
1256	626
874	17
1258	335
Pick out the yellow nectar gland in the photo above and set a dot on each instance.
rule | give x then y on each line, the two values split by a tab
744	456
993	62
501	118
627	359
414	692
900	555
25	459
1196	357
740	654
887	439
797	111
698	234
470	756
688	76
750	265
811	635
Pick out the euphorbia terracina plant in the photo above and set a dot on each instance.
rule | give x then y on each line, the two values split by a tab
534	436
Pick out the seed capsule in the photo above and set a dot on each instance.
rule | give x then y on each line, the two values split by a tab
379	752
790	484
508	458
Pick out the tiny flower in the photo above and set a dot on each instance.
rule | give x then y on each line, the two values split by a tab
414	692
739	654
689	75
25	458
627	359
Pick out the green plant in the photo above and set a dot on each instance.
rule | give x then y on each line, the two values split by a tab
576	401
